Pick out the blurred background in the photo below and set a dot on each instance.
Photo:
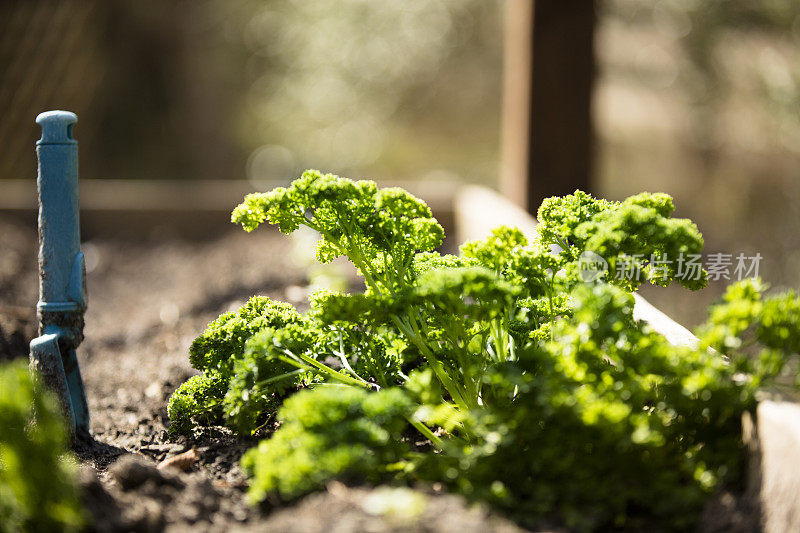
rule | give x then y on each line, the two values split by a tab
696	98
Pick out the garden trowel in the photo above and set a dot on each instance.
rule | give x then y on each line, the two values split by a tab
62	289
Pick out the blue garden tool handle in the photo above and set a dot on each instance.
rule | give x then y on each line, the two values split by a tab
61	269
62	287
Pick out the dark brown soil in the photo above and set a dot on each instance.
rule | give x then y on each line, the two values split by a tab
148	299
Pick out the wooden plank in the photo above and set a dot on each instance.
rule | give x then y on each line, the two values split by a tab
478	210
189	195
773	439
187	208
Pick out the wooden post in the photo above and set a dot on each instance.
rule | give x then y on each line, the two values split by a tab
548	78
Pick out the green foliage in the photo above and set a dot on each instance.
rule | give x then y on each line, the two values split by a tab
559	218
640	228
760	335
539	392
618	427
221	356
197	401
498	249
37	481
330	432
261	379
223	341
378	230
253	358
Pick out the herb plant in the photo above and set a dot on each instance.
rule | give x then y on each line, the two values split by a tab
332	431
532	389
37	483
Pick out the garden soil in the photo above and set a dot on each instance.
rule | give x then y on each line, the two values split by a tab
148	299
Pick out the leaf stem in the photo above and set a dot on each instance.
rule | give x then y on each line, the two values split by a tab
426	431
